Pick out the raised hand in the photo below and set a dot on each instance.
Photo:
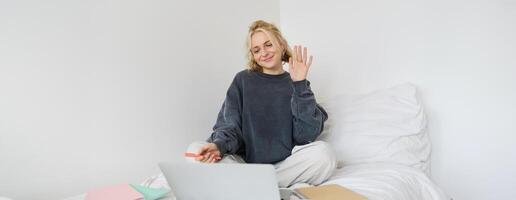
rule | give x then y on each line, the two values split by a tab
297	64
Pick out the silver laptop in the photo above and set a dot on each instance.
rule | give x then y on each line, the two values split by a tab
199	181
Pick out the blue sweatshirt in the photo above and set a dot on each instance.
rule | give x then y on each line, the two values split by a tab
264	116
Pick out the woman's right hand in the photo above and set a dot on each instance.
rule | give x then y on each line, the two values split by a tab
209	153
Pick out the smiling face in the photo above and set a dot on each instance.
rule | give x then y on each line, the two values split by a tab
266	53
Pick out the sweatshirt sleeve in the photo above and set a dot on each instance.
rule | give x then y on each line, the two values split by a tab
308	116
227	131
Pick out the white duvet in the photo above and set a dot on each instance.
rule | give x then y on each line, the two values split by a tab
376	181
387	182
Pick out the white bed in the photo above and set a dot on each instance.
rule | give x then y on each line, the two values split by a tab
376	181
382	145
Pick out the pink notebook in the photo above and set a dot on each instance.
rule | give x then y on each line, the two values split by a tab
115	192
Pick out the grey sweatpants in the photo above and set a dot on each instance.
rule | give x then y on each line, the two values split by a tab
312	163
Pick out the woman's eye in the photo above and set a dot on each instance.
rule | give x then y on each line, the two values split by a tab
268	45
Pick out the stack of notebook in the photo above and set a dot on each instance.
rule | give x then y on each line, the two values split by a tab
126	192
327	192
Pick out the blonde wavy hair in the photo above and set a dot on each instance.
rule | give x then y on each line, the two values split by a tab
276	38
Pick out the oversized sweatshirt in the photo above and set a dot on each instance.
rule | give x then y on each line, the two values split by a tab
264	116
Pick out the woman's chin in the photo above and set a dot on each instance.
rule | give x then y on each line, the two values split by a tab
268	66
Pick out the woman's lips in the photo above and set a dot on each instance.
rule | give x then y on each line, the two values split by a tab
268	59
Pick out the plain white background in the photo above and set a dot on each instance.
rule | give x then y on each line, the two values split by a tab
95	93
460	54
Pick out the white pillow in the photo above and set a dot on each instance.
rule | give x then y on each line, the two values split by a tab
387	125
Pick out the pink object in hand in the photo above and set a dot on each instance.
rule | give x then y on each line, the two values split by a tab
193	155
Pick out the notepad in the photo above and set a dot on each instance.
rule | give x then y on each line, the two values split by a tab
150	193
328	192
115	192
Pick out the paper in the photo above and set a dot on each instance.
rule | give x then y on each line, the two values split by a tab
116	192
151	193
328	192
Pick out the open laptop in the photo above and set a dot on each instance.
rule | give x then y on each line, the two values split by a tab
199	181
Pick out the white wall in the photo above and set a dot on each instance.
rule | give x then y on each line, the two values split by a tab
95	93
461	54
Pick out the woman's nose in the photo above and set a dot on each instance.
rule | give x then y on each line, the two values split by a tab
264	53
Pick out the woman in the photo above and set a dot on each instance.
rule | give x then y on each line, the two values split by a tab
271	116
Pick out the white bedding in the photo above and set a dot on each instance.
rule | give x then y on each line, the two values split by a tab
387	181
376	181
